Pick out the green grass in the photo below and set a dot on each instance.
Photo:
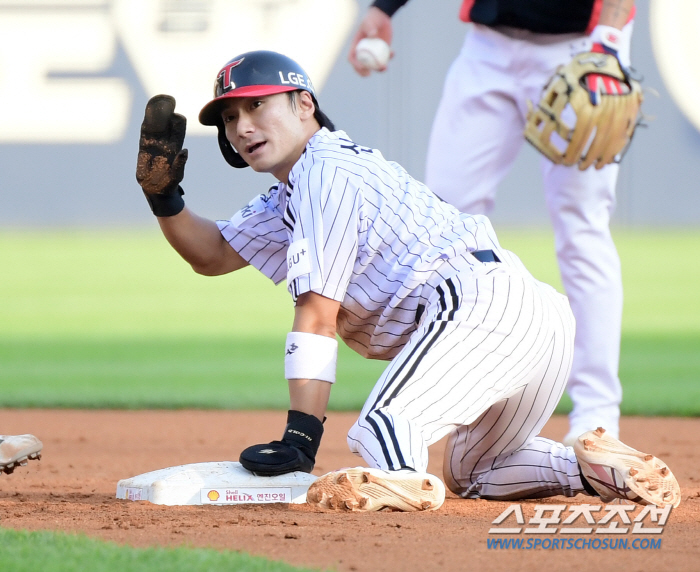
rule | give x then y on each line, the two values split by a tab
22	551
174	372
117	319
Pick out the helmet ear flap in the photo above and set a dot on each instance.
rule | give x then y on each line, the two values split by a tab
227	150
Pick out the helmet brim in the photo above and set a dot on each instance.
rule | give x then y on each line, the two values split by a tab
211	112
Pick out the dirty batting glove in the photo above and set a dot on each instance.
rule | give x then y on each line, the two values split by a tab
295	452
161	161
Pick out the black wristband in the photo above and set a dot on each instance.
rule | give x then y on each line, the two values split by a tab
389	7
167	204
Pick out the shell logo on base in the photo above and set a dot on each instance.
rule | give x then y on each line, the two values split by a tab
245	495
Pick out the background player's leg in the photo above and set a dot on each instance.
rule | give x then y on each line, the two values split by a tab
580	206
476	131
480	342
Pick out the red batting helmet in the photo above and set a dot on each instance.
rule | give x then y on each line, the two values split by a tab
255	74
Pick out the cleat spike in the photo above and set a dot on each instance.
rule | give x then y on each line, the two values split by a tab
648	457
633	471
599	432
664	471
427	485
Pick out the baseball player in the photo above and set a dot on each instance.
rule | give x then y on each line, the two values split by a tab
477	348
509	53
17	450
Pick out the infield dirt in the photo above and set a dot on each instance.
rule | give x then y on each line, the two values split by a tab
86	452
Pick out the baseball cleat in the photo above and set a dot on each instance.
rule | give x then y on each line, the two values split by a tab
364	489
579	429
18	450
617	471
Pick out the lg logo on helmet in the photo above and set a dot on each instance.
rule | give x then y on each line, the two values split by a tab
296	79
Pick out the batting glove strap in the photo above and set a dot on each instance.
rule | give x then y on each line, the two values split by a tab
310	356
166	204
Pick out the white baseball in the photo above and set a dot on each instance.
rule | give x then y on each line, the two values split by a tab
373	53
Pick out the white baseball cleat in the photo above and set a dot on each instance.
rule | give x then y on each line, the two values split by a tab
17	450
364	489
575	431
617	471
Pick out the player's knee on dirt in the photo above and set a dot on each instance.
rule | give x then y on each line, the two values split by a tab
295	452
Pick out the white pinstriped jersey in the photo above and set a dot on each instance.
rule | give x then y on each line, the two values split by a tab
358	229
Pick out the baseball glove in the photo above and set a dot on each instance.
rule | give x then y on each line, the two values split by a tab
605	103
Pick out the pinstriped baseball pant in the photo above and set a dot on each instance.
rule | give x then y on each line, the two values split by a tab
486	366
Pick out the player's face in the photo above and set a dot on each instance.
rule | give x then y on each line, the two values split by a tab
267	131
